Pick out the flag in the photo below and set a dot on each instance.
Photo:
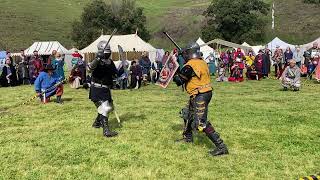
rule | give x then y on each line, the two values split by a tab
121	54
272	16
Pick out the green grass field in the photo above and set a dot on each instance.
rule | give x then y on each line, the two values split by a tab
271	134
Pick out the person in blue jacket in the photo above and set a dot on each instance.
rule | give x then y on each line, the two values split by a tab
48	84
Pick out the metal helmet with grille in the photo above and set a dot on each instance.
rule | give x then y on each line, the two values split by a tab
104	46
192	51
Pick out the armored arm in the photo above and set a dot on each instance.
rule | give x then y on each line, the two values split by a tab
184	75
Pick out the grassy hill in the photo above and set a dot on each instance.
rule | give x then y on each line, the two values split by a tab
23	22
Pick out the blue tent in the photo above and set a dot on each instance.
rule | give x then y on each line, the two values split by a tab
3	55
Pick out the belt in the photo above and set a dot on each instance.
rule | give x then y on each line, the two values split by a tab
99	85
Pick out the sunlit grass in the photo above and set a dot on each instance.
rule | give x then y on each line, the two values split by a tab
271	134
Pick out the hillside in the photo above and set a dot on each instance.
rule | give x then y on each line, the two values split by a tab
24	22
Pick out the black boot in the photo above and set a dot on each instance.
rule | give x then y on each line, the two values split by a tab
187	138
221	148
59	101
97	123
106	131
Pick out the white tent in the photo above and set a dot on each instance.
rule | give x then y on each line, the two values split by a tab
310	45
278	42
206	50
129	43
46	48
254	48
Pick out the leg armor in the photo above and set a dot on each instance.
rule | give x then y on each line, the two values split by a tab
104	107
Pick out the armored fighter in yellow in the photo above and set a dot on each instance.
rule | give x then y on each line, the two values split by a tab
195	76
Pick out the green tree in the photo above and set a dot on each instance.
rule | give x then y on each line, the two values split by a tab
99	16
236	21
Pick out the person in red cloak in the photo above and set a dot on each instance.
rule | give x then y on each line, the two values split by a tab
238	54
237	71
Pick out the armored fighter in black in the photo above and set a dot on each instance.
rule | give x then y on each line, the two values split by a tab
103	72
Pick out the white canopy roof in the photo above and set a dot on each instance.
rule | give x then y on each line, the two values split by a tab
254	48
206	50
127	42
278	42
310	45
46	48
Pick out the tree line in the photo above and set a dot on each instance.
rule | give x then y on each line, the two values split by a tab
236	21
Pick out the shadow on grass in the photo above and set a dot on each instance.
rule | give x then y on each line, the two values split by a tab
130	116
67	99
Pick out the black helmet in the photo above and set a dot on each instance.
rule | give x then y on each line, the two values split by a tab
192	51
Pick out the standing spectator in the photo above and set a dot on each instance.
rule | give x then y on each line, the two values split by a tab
76	57
6	78
266	63
23	69
58	64
10	57
145	63
250	59
238	54
211	61
278	61
123	74
136	75
310	60
75	78
288	55
51	57
165	57
35	66
231	60
156	69
258	62
82	67
298	56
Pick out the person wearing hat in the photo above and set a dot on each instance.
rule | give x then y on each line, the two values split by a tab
103	72
311	60
35	66
48	84
278	61
291	76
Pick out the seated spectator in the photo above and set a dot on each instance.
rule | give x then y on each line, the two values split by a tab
136	75
253	74
291	76
237	71
48	84
222	73
75	78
